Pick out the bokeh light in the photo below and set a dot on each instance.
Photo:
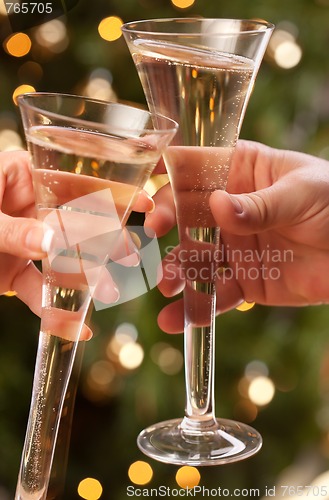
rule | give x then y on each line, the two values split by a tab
30	71
245	411
3	10
283	47
131	355
288	54
90	489
53	36
99	85
140	472
22	89
110	28
124	334
10	140
245	306
182	4
102	372
261	390
169	359
18	45
256	368
188	477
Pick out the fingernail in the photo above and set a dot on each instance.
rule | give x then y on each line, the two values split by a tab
152	208
47	239
39	240
87	333
236	204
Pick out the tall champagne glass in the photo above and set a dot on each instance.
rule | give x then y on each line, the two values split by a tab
199	72
90	160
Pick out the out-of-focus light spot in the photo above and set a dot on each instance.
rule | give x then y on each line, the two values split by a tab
90	489
22	89
188	477
3	10
245	306
288	54
110	28
99	85
261	390
102	372
101	384
168	358
283	48
131	356
18	45
10	140
182	4
256	368
10	293
103	73
245	411
31	71
53	35
124	334
140	472
101	89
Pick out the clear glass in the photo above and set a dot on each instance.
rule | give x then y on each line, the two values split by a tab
199	72
90	161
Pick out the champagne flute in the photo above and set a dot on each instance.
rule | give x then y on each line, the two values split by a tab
90	161
199	72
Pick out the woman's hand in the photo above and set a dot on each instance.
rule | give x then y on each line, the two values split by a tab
23	238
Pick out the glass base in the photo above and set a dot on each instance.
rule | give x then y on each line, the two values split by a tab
225	441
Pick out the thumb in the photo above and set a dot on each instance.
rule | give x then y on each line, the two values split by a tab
26	238
252	213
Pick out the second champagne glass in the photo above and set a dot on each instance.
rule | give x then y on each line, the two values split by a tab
199	72
90	161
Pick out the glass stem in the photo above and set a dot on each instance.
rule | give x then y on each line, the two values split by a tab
199	341
199	345
55	358
60	460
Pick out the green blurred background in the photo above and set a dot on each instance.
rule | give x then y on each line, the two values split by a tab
283	350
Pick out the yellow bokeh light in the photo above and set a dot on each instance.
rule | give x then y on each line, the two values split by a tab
90	489
110	28
188	477
245	306
18	45
22	89
140	472
261	390
10	293
182	4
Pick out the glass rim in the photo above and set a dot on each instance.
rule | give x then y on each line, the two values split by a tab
22	102
127	27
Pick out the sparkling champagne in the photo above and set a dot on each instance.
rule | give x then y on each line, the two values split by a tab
85	185
206	93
